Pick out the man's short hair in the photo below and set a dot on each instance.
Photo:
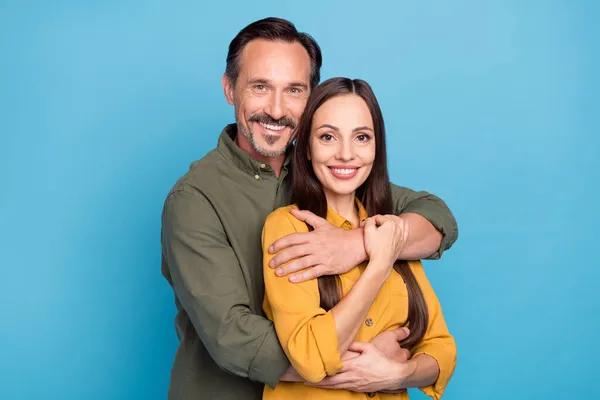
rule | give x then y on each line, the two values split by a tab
274	29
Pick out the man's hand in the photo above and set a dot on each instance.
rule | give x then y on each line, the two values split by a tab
372	371
388	342
327	250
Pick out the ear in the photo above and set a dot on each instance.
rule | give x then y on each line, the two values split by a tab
227	88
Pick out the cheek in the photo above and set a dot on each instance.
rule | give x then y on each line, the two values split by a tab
296	108
251	104
367	154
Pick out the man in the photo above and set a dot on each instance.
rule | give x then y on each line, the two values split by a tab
212	221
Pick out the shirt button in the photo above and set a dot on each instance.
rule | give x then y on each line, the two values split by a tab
369	322
263	166
256	177
371	394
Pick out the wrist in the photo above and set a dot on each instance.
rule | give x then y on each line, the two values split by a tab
359	250
406	372
379	268
404	227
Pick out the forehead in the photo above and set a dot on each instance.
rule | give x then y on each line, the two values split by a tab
275	61
346	112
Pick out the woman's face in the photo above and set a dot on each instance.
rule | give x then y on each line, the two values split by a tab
342	144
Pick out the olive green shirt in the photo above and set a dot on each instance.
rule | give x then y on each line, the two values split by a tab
212	257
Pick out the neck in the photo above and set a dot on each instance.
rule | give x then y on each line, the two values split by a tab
275	162
344	205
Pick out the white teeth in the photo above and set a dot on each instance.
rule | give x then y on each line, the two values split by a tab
273	127
345	171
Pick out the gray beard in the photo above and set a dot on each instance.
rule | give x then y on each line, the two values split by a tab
270	139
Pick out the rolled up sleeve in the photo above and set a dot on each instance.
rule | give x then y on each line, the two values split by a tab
306	331
209	283
431	208
437	341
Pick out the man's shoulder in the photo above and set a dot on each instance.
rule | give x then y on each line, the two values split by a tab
202	174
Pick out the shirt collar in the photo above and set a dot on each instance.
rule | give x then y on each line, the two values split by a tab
230	150
336	219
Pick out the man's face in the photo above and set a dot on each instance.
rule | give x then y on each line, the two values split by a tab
270	94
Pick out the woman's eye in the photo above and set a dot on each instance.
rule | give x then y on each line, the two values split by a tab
363	137
326	137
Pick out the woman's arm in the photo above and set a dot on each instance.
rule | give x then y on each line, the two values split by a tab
312	338
435	355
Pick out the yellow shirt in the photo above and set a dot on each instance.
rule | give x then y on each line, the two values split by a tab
308	334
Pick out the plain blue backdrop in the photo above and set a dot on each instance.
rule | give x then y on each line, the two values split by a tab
491	105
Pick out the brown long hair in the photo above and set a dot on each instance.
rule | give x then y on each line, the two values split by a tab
375	194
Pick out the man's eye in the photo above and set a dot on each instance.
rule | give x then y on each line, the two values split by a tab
260	87
295	91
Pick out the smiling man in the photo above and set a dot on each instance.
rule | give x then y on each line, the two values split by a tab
212	222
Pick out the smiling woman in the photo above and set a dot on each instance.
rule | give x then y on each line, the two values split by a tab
340	174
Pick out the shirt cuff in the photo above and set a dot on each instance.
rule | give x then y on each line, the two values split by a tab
446	363
269	363
448	238
325	334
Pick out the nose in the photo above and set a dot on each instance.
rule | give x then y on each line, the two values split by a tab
346	151
276	106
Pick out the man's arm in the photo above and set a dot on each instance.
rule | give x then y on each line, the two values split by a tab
427	225
208	281
429	217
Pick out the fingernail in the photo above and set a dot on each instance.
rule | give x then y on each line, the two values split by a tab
278	271
406	330
271	263
270	249
293	278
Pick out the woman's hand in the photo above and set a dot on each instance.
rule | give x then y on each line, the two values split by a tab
384	235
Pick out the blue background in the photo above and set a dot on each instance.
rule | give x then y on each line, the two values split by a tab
491	105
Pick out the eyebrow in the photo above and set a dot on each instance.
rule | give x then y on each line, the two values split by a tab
335	128
262	81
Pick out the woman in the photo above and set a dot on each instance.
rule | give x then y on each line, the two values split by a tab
340	173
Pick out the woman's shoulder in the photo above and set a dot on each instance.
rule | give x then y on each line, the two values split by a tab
284	216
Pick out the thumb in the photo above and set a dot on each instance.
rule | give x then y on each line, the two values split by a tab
401	333
369	225
358	347
309	218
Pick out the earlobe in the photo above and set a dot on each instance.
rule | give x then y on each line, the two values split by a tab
227	88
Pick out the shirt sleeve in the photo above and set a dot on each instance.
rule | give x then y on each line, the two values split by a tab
437	342
306	331
431	208
208	281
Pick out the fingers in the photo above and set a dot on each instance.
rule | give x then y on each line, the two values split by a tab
289	254
382	219
369	225
359	347
297	265
337	381
401	333
287	241
310	218
404	355
311	273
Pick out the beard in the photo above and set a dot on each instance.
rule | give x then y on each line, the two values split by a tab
270	139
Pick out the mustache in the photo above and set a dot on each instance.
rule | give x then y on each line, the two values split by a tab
266	119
